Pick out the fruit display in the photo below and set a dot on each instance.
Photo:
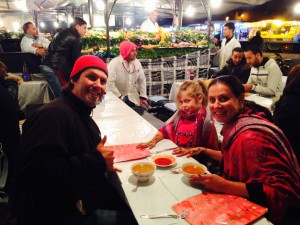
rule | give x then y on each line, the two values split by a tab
95	42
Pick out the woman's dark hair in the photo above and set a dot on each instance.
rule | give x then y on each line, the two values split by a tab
238	89
232	82
292	86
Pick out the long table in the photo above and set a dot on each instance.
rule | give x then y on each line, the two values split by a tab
122	125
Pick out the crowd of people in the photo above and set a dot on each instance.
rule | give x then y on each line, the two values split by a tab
58	168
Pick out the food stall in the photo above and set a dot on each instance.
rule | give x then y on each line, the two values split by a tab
166	57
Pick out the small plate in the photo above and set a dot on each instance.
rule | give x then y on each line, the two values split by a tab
163	160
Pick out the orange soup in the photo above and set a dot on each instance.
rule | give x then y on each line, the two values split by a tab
142	168
193	170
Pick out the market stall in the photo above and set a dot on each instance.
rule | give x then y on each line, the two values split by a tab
166	57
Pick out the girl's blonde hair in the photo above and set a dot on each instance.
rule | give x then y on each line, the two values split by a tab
194	89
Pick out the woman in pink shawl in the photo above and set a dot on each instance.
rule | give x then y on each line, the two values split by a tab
257	160
191	126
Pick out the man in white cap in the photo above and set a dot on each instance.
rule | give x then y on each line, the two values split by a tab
126	76
62	166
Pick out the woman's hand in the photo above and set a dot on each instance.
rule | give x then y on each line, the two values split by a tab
149	144
108	155
211	182
189	152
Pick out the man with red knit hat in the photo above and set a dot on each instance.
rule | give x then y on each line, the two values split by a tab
61	170
126	76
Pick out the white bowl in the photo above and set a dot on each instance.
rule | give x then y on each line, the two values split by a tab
163	160
191	168
143	170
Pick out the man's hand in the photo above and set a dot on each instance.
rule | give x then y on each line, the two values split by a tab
248	87
108	155
37	45
40	51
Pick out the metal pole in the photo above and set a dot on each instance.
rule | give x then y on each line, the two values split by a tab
180	11
90	7
208	12
106	20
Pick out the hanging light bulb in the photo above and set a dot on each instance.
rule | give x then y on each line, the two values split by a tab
190	11
55	24
215	3
128	21
42	24
100	5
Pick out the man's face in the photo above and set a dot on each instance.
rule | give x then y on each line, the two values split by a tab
32	30
237	57
81	29
252	59
132	55
153	16
227	32
90	87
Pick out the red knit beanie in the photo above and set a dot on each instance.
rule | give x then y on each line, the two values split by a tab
126	47
86	62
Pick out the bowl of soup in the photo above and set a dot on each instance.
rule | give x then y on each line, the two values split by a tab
190	169
143	170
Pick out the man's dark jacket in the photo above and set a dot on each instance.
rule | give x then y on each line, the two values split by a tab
241	71
59	165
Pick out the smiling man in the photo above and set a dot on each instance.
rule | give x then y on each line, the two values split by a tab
236	66
63	162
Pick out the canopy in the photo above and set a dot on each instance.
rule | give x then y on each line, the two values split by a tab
165	6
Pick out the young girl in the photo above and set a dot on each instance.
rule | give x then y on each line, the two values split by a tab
191	126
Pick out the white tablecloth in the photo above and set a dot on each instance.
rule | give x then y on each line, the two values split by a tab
33	92
122	126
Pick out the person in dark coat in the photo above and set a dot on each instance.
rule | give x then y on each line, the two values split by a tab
258	41
287	110
12	82
9	127
236	66
63	51
62	165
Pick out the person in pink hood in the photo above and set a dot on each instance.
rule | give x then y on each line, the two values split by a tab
126	78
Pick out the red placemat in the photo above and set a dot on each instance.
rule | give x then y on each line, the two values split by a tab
210	209
128	152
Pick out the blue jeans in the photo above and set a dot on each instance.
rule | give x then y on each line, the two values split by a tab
50	76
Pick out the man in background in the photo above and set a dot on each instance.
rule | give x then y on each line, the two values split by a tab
236	66
32	42
126	78
150	24
265	76
64	50
257	40
228	43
